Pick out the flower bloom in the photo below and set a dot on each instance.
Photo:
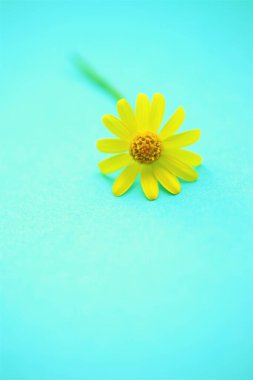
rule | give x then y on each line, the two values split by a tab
141	148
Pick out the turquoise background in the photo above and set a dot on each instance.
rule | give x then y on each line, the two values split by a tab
98	287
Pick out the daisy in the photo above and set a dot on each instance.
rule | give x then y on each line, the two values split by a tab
140	148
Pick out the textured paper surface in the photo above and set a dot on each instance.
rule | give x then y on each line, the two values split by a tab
96	287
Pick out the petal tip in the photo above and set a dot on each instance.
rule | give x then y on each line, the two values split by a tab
116	192
196	177
198	134
98	145
177	189
181	108
120	101
106	117
152	197
100	167
158	94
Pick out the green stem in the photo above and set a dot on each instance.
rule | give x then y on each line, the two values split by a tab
95	78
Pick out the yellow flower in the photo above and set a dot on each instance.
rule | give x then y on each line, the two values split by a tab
157	156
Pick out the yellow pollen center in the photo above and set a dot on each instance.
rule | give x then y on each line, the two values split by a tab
146	147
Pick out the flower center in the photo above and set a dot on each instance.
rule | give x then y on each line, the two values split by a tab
146	147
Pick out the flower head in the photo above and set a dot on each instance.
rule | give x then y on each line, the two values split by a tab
141	148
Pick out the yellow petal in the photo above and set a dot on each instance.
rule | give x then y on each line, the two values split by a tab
157	112
112	164
178	168
190	158
166	179
182	139
142	112
126	178
149	183
115	126
127	115
112	145
173	124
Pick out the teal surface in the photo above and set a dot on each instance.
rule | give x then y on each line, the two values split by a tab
98	287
